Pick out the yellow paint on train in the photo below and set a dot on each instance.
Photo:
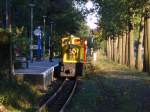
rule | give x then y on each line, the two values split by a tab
72	49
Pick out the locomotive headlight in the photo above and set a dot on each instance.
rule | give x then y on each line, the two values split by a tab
85	42
72	36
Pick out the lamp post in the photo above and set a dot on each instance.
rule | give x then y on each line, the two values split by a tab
50	41
6	6
7	15
11	61
51	27
31	33
44	35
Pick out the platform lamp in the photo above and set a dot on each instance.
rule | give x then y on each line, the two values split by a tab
32	5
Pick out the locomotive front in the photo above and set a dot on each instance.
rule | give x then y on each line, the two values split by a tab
73	56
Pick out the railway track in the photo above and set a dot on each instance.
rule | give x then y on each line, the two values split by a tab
60	99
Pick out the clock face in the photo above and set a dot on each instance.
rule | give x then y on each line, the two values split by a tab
37	32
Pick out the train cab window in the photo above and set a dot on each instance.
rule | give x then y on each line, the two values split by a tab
73	54
77	41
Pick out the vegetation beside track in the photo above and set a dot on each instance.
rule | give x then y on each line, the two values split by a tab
110	87
17	97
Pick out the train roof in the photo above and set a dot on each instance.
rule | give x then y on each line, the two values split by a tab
70	36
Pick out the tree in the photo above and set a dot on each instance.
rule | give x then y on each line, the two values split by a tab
122	17
139	60
148	34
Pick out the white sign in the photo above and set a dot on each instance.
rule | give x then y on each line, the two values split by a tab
35	47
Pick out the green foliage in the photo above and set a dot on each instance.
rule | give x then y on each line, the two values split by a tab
62	13
3	100
116	15
84	30
5	36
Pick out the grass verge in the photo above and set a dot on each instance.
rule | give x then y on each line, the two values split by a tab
17	97
110	87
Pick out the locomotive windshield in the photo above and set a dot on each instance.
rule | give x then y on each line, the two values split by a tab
73	50
72	53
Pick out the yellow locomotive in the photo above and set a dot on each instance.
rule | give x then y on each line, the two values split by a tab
73	56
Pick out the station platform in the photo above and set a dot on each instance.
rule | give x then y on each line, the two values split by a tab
39	73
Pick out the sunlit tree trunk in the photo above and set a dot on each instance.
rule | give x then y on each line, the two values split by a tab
115	49
131	46
139	60
112	49
109	48
123	47
127	49
108	51
120	49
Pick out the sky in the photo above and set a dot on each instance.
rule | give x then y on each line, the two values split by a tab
92	16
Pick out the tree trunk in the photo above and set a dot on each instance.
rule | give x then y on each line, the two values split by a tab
148	37
131	46
112	49
109	47
139	60
120	50
115	49
11	60
127	49
123	47
145	63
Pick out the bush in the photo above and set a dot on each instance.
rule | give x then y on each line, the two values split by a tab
16	95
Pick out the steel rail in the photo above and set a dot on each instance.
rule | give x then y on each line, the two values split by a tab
69	98
51	98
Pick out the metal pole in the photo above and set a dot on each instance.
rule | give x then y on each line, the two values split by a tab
44	36
31	33
49	47
50	42
6	5
11	71
31	52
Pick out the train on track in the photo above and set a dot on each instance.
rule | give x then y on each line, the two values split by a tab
73	56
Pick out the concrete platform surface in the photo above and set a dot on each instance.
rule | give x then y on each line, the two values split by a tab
38	68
